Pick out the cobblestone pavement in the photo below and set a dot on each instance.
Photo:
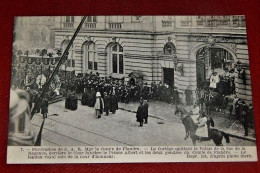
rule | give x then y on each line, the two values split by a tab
166	112
81	128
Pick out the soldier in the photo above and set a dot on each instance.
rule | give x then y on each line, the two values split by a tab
140	113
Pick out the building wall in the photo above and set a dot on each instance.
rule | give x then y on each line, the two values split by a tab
143	41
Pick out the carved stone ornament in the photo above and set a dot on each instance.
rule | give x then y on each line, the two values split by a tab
211	40
114	39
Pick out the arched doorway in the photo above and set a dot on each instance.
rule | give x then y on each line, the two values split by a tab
212	59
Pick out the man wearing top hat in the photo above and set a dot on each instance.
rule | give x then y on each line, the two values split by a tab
140	113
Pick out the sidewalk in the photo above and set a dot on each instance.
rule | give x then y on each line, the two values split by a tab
166	112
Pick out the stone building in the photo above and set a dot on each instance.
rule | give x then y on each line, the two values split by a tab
179	50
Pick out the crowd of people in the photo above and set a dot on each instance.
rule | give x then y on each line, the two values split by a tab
90	84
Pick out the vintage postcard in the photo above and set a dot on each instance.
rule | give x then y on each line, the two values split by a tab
116	89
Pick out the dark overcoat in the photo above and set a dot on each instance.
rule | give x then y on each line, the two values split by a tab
113	103
140	114
44	106
107	104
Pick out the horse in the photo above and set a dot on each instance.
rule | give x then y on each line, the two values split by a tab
191	127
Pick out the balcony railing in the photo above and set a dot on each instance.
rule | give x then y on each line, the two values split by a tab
68	25
200	22
185	23
166	23
223	22
90	25
115	25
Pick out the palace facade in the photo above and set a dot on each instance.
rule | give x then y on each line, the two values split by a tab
181	51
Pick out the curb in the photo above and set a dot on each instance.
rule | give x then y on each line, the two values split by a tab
230	134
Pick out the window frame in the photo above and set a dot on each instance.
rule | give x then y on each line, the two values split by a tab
86	55
117	52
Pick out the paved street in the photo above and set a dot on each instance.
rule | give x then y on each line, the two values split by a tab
166	112
81	128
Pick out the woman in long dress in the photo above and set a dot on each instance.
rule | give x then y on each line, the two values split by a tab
202	130
99	105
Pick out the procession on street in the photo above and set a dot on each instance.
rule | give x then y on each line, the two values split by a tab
199	80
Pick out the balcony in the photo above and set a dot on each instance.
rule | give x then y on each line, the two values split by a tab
114	25
239	23
68	25
185	23
89	25
200	22
166	23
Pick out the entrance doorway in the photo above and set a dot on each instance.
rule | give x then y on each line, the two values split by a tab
209	60
168	76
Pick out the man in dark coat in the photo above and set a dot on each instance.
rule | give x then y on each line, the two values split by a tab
176	96
140	114
113	103
73	101
44	107
188	96
106	103
92	98
245	117
36	107
85	97
68	101
146	106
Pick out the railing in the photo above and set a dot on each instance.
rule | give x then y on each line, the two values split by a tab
115	25
166	23
223	22
90	25
68	25
239	23
200	22
185	23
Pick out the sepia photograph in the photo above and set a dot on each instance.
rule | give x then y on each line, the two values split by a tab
130	81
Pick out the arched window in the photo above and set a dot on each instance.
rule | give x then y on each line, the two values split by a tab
117	59
169	49
90	56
